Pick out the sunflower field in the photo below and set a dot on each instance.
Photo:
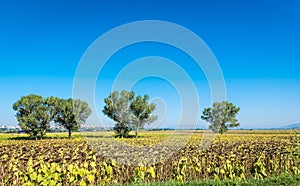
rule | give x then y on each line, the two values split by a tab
96	160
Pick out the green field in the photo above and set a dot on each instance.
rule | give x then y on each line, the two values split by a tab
175	158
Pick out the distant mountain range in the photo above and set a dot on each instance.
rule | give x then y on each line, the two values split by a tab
291	126
284	127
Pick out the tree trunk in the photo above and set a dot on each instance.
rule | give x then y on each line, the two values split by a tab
44	133
136	132
70	133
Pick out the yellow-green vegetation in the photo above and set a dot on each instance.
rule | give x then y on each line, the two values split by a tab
235	156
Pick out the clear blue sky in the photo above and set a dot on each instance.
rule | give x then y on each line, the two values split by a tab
256	43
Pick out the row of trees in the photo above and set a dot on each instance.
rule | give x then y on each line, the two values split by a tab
130	112
34	114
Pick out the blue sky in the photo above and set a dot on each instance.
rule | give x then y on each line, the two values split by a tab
255	42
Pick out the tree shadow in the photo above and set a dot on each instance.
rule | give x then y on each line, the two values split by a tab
21	138
97	136
32	138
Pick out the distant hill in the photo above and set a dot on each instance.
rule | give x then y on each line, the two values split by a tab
285	127
291	126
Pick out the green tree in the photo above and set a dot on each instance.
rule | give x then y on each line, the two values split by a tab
69	113
117	108
141	111
221	116
122	130
33	115
52	103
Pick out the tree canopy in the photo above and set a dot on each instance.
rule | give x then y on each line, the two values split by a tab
33	115
128	111
70	113
221	116
142	111
117	108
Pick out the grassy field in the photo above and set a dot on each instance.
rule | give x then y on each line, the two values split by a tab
240	157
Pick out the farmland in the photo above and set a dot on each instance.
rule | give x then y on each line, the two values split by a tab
157	156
